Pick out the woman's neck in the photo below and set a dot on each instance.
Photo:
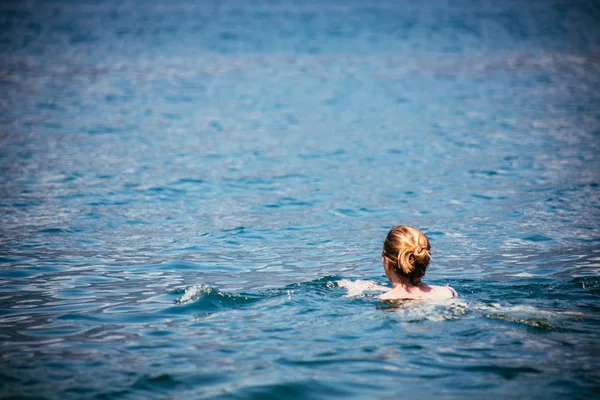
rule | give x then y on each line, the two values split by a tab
402	282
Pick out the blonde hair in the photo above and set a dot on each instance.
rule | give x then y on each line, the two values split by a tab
409	252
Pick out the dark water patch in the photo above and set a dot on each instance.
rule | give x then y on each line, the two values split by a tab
190	181
537	238
326	362
12	260
79	317
165	189
288	201
433	233
586	285
487	197
503	371
483	172
135	222
235	231
157	383
322	154
105	129
106	203
16	271
290	390
53	230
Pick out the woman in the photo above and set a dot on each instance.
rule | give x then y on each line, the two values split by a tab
406	256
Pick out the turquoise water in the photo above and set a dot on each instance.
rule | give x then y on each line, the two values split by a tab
185	185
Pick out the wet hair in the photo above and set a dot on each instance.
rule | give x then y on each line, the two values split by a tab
409	252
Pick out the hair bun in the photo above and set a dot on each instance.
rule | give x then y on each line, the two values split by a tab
413	252
421	254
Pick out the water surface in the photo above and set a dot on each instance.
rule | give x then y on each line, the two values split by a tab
183	186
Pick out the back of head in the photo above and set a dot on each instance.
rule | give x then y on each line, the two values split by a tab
409	252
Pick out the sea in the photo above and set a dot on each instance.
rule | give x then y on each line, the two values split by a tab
194	197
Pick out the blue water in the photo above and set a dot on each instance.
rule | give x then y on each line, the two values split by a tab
183	186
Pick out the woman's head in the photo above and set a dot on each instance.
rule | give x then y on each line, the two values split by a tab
408	252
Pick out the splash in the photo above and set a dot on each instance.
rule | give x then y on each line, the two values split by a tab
436	310
193	293
359	288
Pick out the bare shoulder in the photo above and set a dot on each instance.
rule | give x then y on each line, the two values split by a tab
390	295
443	292
424	292
400	295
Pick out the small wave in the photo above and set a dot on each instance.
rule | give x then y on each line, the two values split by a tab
526	310
194	292
207	299
528	315
538	323
201	292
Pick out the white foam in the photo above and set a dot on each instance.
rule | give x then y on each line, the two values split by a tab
436	310
359	287
525	310
193	293
523	275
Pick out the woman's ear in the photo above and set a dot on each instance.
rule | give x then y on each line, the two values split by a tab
385	262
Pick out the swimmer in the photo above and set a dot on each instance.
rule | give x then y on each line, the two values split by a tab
405	257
